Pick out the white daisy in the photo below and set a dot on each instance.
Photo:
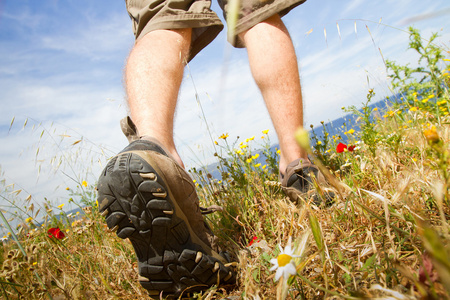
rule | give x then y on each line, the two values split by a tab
284	262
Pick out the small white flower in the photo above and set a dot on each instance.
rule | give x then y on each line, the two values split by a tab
4	239
284	262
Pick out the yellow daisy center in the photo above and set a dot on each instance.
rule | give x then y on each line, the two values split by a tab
283	259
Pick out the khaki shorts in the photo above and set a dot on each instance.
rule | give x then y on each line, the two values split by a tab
149	15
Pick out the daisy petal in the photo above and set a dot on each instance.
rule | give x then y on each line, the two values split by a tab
288	250
290	268
278	274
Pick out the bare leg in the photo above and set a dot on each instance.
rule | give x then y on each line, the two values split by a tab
274	67
153	76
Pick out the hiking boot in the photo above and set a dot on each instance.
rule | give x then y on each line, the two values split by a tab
147	197
298	183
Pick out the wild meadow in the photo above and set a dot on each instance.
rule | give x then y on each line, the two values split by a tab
385	235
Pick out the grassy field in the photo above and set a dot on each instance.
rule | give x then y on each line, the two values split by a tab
386	235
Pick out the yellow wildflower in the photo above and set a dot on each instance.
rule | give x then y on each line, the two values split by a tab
265	166
425	100
84	183
431	96
265	131
249	160
67	188
390	113
243	146
441	102
319	143
257	165
351	131
278	151
215	142
224	136
255	156
60	206
431	134
375	109
413	108
28	220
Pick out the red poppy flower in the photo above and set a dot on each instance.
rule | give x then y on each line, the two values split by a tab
341	147
254	239
55	232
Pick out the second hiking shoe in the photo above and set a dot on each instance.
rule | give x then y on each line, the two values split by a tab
298	183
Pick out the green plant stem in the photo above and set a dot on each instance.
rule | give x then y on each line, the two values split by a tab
13	234
22	250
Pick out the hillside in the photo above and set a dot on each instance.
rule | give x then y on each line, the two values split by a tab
385	235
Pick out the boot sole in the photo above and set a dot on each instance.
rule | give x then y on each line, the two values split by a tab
136	203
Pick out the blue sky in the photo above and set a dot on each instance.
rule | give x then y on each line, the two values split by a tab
61	68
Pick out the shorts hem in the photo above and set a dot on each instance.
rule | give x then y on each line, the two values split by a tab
259	16
205	29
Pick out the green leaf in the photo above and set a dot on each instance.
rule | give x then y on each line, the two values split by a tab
368	264
317	233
